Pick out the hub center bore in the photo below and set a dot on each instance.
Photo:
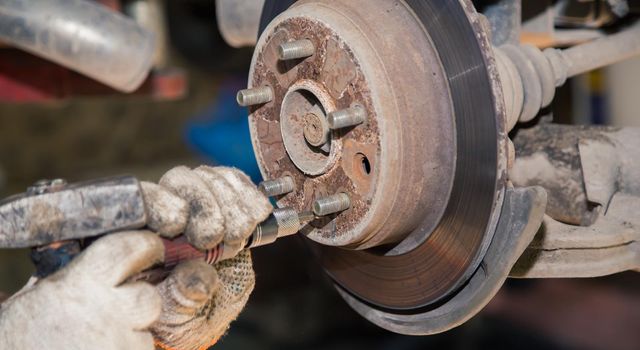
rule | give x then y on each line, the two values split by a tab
303	124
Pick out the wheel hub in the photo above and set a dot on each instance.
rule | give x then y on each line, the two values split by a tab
375	161
424	171
304	130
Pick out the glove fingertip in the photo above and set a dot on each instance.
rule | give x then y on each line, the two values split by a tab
245	207
257	204
195	281
204	238
167	213
174	174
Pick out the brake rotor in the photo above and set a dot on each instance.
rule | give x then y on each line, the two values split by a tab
425	172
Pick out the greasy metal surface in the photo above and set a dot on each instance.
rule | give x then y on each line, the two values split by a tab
609	182
548	155
442	253
522	211
77	211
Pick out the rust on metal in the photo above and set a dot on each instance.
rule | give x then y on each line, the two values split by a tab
337	70
426	171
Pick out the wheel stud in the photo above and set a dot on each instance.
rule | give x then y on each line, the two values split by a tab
277	187
346	118
296	50
332	204
255	96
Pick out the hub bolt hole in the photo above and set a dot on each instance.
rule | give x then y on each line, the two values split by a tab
363	162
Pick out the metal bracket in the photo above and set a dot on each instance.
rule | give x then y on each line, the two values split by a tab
609	246
604	177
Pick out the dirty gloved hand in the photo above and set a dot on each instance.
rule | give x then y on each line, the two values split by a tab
86	305
210	205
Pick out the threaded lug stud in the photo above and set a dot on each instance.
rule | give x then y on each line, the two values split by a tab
296	50
332	204
255	96
277	187
346	118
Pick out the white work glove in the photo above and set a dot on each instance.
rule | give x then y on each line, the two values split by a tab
210	206
86	305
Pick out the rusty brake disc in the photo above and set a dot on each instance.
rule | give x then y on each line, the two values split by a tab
425	211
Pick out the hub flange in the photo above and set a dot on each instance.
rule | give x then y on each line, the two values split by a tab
397	166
